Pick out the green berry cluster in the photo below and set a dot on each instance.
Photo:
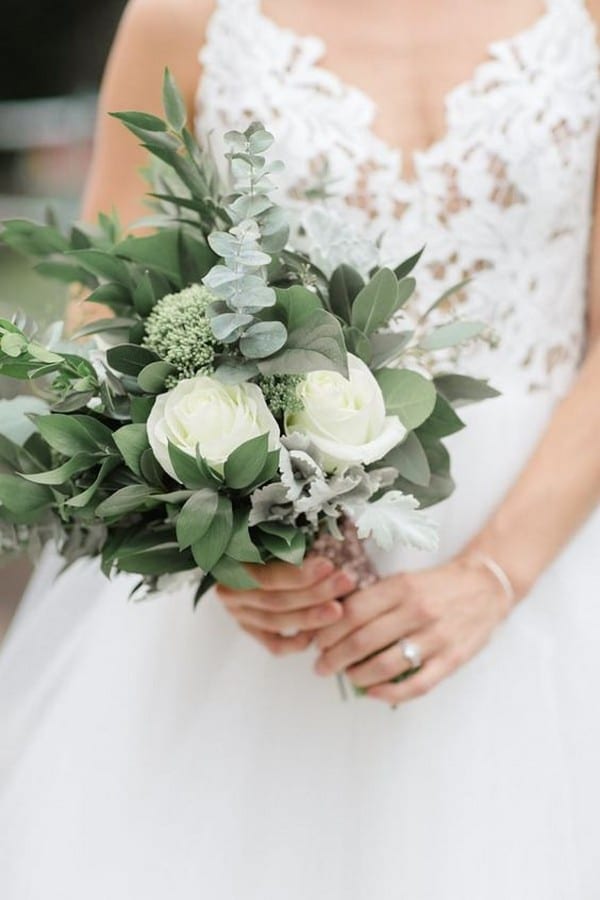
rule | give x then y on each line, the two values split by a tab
179	331
281	393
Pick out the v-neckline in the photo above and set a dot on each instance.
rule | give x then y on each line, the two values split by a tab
414	156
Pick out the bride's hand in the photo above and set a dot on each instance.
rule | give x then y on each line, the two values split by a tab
292	603
449	612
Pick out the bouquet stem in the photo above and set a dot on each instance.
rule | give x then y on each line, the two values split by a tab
350	555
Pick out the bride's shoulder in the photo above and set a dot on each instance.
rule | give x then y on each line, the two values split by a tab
177	23
594	8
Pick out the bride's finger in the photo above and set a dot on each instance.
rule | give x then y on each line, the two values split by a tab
331	588
391	663
355	646
297	620
360	608
417	685
280	645
280	576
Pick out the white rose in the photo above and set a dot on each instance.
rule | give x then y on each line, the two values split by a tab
217	418
345	418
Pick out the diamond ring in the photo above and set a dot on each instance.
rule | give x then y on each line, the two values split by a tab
411	653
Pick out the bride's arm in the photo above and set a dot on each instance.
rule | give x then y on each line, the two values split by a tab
152	34
451	611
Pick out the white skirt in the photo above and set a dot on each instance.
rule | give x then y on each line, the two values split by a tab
149	751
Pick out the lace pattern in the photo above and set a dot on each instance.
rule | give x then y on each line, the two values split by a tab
504	195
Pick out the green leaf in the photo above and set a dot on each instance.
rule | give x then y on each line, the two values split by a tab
295	305
410	459
129	359
79	501
188	469
13	344
115	296
233	574
263	339
211	547
73	434
78	463
406	288
66	273
129	499
407	395
241	545
442	422
358	343
318	344
228	327
23	497
131	441
159	560
451	334
388	346
246	462
102	326
140	120
156	251
441	484
173	104
279	530
345	285
293	552
459	390
103	264
141	407
196	517
408	265
153	376
451	290
376	303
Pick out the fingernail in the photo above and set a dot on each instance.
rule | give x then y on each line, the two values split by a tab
344	582
329	611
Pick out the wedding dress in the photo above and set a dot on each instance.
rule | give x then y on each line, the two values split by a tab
150	751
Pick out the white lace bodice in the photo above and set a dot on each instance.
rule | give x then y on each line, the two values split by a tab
504	196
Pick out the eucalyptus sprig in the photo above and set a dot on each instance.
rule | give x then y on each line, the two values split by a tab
259	230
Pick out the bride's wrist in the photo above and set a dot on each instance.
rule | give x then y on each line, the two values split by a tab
511	580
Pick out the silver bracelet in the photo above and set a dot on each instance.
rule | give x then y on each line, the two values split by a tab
498	573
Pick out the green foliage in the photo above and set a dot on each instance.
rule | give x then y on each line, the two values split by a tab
318	343
179	331
246	462
407	395
281	393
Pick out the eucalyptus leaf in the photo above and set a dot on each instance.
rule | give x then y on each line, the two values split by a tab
407	395
263	339
345	285
317	344
442	422
459	390
451	334
410	459
376	302
388	346
129	359
153	376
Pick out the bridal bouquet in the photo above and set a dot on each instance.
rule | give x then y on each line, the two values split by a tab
240	404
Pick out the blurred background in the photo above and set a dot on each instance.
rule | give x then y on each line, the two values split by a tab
51	61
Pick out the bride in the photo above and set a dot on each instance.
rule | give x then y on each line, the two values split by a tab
150	751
